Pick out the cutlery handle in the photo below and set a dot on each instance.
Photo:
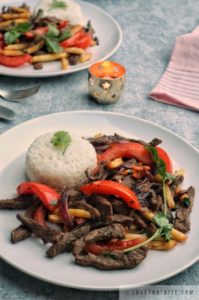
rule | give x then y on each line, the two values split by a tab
7	113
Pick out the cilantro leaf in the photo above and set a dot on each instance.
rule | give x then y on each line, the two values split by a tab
161	220
11	36
24	27
52	31
52	45
64	35
61	140
57	4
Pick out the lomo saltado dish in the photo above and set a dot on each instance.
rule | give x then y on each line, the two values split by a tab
119	199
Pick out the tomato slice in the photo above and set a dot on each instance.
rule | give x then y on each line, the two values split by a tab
133	149
62	24
109	187
84	42
70	42
165	157
127	150
14	61
46	194
99	248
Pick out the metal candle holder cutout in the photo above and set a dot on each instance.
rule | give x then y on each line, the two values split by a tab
106	81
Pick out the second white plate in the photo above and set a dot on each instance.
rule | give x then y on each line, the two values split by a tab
107	30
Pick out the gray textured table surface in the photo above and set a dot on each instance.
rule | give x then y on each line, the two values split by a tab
150	28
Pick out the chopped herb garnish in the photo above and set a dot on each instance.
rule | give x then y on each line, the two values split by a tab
52	31
57	4
13	34
161	169
162	222
61	140
52	45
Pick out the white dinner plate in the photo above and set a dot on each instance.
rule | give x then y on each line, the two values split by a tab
29	255
107	30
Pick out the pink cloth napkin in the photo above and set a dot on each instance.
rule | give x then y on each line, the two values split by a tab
179	84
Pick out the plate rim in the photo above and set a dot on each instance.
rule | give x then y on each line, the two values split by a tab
79	69
88	287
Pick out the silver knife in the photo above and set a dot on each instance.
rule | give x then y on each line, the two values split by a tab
7	113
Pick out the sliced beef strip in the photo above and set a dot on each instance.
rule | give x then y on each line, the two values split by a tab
176	182
22	232
128	181
121	219
46	234
139	221
155	201
119	206
94	212
19	202
67	240
101	174
105	233
151	229
182	217
19	234
117	260
102	204
96	235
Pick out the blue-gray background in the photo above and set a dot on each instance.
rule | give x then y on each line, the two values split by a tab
149	28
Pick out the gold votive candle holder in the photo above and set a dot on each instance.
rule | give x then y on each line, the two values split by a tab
106	81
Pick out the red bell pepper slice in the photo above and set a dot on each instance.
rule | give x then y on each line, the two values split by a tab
127	150
70	42
99	248
84	42
133	149
165	157
62	24
14	61
109	187
48	196
39	215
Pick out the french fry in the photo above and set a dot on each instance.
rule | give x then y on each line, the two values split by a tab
132	236
19	46
162	245
74	50
64	63
15	16
55	219
115	163
176	234
19	9
75	29
74	212
12	52
48	57
34	48
85	57
169	197
6	24
147	214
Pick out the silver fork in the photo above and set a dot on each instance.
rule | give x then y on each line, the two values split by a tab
17	95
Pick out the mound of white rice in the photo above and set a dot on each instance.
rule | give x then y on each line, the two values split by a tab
47	164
